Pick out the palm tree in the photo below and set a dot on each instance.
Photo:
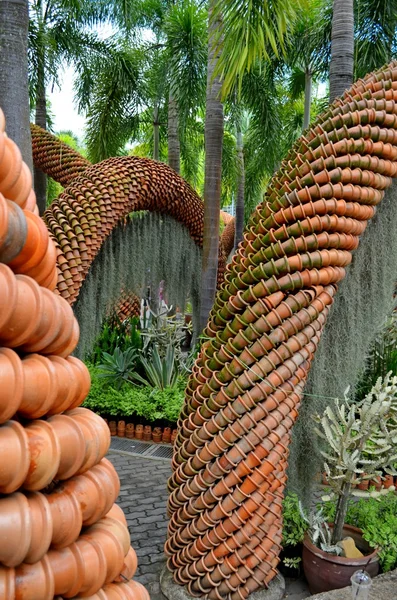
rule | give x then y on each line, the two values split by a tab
213	169
307	50
186	43
240	34
342	48
375	34
14	94
56	37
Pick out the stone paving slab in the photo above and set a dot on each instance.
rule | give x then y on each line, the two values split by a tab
143	497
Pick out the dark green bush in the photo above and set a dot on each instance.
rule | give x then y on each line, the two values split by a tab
140	401
378	520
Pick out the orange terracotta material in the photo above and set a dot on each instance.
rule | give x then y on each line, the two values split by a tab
55	331
244	392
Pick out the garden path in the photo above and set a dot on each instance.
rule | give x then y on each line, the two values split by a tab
143	497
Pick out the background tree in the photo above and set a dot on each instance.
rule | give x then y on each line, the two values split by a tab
342	48
14	95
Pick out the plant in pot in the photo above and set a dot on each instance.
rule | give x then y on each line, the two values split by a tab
360	443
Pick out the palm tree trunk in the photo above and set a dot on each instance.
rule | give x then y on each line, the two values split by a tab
40	179
342	48
174	149
213	173
14	94
156	133
239	223
308	98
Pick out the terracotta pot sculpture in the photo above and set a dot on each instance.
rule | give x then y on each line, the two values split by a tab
60	532
244	392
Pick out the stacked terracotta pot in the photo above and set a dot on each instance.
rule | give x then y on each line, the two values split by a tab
230	456
61	535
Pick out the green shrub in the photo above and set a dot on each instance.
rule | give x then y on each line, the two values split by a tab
116	334
151	404
294	526
378	520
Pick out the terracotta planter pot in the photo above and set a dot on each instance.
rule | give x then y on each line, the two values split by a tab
11	384
156	435
363	485
96	434
326	572
388	481
130	431
13	230
376	483
139	432
147	433
72	445
44	453
121	428
112	427
14	457
173	436
166	437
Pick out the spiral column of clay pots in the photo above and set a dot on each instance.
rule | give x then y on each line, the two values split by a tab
61	535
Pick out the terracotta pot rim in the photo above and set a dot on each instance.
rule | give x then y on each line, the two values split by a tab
341	560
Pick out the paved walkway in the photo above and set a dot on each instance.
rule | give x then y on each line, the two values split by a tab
143	497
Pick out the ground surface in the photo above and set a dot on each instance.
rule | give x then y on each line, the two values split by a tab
143	497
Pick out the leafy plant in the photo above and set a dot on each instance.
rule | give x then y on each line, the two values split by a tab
160	372
131	400
377	518
361	442
116	334
294	525
118	368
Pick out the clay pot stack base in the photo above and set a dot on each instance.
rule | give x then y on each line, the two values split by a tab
62	535
158	435
243	396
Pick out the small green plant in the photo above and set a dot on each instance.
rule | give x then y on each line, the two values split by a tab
119	367
294	525
160	372
130	400
293	562
361	444
377	518
116	334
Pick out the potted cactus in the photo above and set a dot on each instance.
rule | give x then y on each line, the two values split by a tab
360	444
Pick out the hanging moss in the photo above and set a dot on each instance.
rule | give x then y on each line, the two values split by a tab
148	249
363	303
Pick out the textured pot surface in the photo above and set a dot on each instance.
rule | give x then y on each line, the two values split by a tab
325	571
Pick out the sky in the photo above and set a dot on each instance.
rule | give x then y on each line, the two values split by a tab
65	115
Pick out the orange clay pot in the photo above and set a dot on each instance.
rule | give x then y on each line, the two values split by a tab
45	455
26	528
121	428
35	246
72	445
139	432
49	385
113	427
156	435
67	521
55	331
96	435
388	481
147	433
14	457
13	230
166	437
96	490
11	384
130	431
129	567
